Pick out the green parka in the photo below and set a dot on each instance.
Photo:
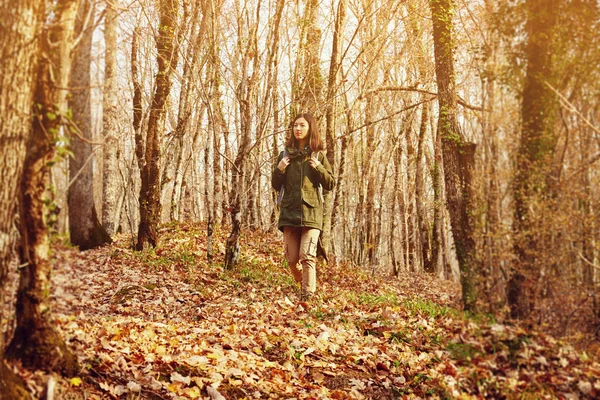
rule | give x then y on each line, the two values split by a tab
301	205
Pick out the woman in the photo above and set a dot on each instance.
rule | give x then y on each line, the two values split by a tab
302	173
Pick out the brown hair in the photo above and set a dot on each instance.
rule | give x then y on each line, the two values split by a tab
314	138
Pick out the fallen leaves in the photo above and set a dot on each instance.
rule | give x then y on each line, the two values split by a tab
165	324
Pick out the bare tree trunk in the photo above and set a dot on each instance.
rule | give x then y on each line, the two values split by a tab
110	159
209	204
173	169
423	228
35	343
245	94
438	250
273	69
227	168
140	143
19	56
414	258
458	156
330	103
492	280
339	187
150	207
397	235
219	127
85	229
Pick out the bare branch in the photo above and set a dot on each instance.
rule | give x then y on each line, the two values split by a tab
386	117
570	107
413	89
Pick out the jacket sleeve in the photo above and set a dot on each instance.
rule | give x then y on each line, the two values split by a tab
325	174
277	177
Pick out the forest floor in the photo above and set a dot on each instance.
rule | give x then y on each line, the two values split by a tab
164	324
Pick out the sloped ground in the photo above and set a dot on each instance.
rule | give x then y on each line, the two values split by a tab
165	324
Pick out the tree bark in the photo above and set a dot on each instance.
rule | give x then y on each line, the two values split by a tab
424	232
245	96
534	159
35	343
186	104
273	70
19	57
110	115
338	191
85	229
137	106
457	154
330	104
150	205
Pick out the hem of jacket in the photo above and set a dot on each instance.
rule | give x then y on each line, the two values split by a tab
311	226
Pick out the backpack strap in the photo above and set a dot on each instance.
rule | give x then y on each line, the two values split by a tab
280	197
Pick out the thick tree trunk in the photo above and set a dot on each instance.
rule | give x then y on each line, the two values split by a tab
457	154
110	160
35	343
534	158
84	226
19	57
150	206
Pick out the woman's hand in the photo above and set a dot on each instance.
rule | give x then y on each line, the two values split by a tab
285	161
314	162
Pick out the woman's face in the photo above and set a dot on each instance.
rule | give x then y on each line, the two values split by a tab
301	129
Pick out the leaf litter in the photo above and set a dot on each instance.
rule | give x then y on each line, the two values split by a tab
164	324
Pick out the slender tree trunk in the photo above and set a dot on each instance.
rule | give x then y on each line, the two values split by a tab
150	207
218	174
536	150
110	116
423	228
332	88
19	49
412	244
245	94
138	111
492	242
35	343
402	212
458	155
174	166
209	204
342	167
397	262
226	177
273	70
85	229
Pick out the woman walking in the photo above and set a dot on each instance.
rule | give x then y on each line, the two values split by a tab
301	174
